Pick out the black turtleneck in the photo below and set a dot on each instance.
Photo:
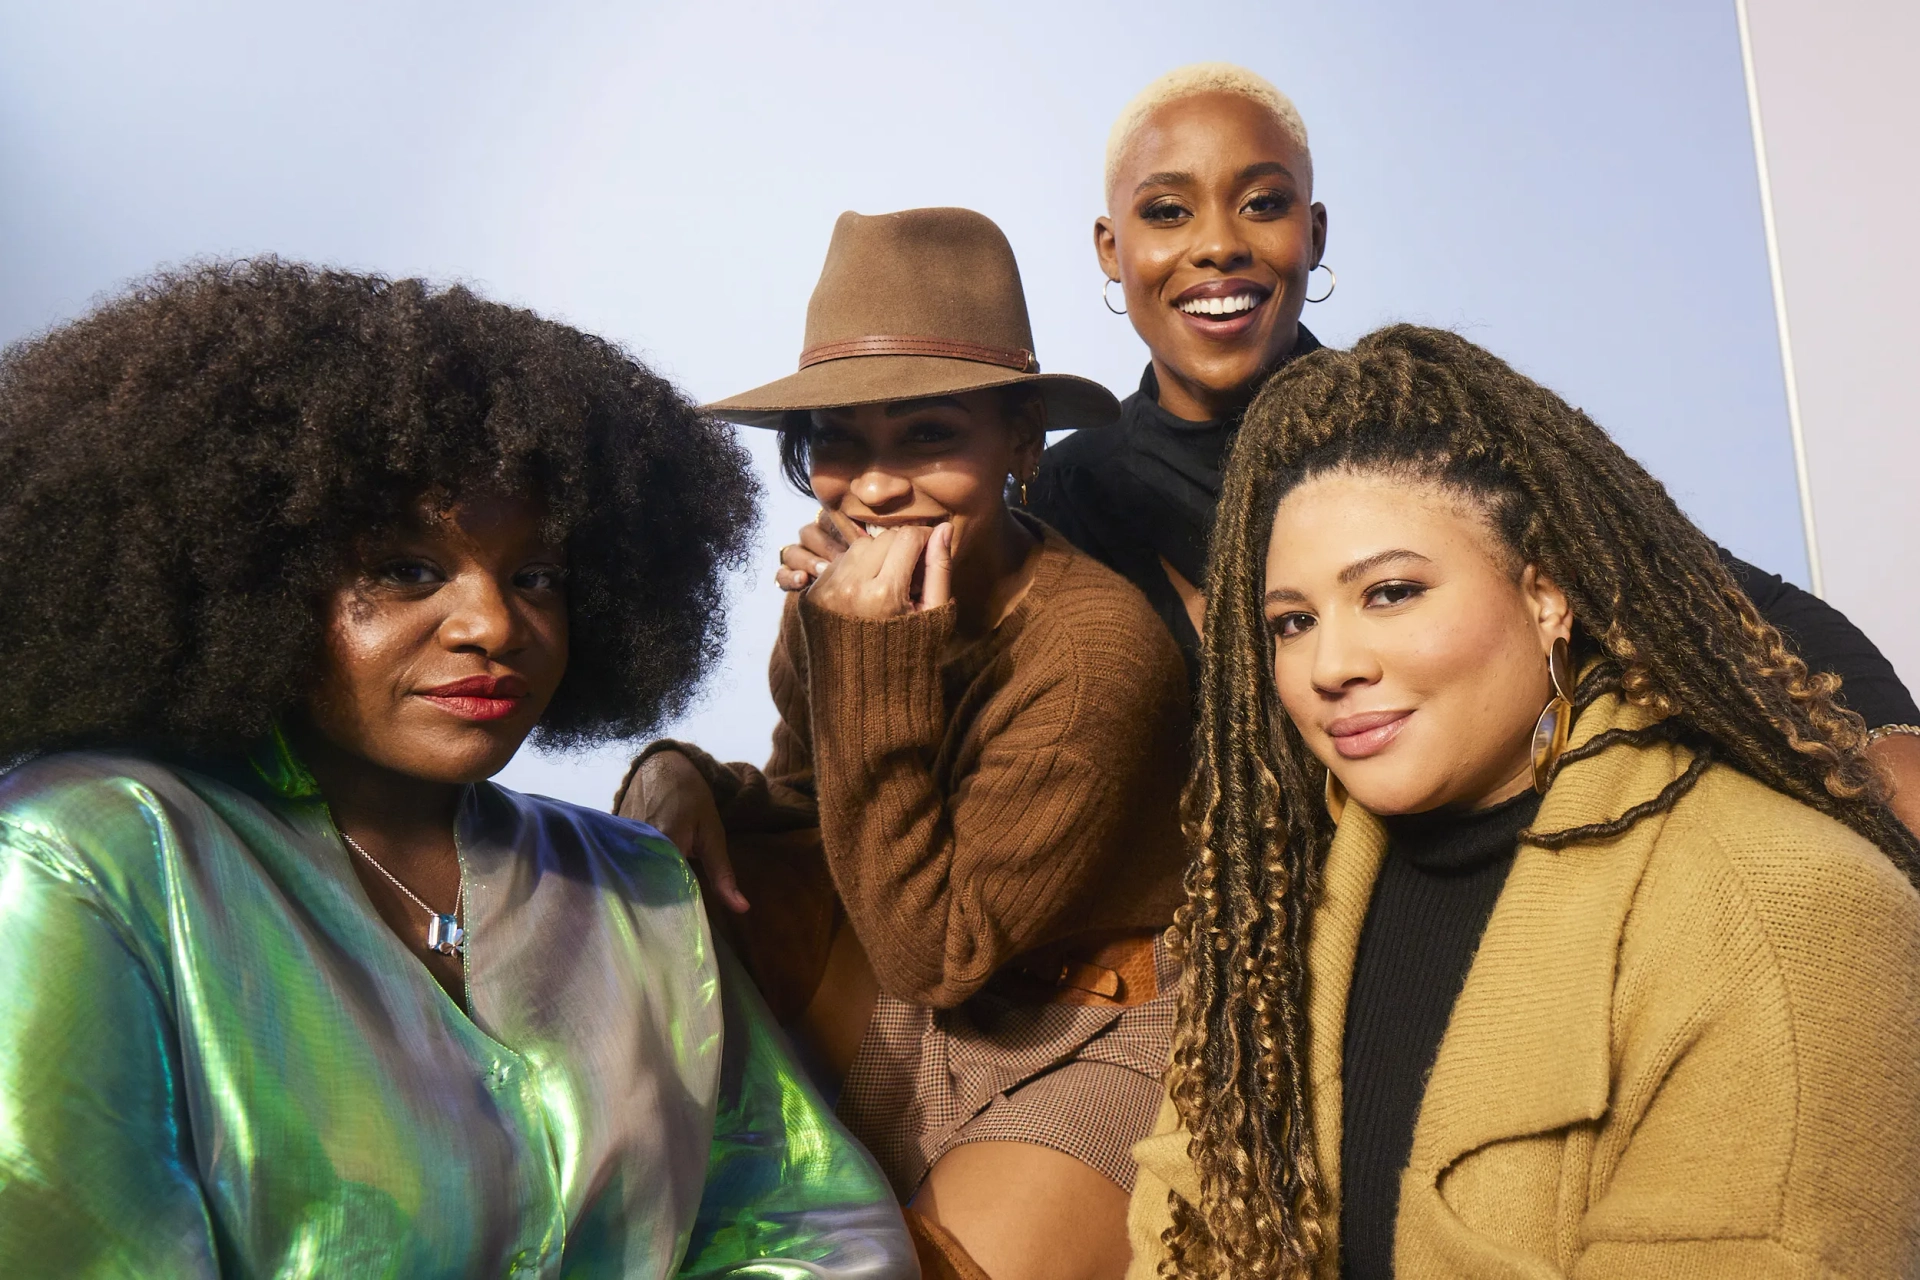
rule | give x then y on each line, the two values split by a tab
1141	489
1436	890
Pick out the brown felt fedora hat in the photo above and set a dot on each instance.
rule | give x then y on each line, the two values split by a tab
924	302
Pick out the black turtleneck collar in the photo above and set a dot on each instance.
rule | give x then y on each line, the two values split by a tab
1142	491
1168	470
1450	842
1149	394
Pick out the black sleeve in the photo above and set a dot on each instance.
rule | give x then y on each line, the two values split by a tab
1060	495
1826	641
1069	497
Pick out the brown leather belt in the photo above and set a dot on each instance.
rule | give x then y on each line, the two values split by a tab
1109	970
898	345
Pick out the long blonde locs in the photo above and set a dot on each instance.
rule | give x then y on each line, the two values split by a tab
1654	605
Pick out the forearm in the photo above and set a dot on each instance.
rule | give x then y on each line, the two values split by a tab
878	715
750	802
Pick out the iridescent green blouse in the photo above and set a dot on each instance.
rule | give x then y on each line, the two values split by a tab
215	1060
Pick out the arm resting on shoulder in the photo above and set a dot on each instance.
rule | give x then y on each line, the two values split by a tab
95	1178
1827	641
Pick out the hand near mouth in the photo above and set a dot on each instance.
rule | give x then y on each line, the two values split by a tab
887	571
819	545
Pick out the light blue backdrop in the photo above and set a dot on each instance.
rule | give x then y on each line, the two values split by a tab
1572	186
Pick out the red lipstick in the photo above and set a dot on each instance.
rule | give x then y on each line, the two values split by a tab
479	697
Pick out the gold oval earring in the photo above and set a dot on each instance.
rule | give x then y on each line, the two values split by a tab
1556	718
1336	796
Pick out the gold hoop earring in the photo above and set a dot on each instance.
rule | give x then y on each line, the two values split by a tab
1336	798
1556	719
1333	282
1119	311
1023	493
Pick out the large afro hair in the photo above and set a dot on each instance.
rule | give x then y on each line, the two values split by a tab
185	474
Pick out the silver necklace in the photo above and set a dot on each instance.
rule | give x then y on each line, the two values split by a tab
444	933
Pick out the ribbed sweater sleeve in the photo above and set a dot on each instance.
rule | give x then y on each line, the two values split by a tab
946	882
752	800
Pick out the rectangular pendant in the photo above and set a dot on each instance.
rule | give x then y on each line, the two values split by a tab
445	935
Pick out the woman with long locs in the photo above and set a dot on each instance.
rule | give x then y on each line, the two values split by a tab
294	561
1212	245
1548	916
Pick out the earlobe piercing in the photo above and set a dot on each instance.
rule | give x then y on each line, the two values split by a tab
1333	282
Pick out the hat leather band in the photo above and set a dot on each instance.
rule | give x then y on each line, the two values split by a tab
945	348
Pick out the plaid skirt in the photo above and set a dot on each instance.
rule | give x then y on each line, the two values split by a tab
1084	1079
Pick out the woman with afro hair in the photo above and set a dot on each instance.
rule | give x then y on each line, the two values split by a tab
295	560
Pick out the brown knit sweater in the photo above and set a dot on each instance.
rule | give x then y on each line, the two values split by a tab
976	804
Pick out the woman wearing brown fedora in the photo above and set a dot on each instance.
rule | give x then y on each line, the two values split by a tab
1210	236
953	875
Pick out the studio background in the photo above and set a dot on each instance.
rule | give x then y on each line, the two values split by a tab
1573	187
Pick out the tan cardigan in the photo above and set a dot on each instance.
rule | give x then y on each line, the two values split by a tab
979	802
1691	1052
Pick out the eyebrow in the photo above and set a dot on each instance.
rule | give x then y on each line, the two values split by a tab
901	408
1265	169
1287	595
1179	177
1369	563
1166	179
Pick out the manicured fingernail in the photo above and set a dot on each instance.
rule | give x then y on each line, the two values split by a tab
819	567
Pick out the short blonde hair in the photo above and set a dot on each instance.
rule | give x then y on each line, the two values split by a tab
1194	79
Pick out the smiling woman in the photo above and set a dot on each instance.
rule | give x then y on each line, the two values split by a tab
1475	991
1211	233
954	872
296	560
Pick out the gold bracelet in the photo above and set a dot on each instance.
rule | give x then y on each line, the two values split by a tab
1889	730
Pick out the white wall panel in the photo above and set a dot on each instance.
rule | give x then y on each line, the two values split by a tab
1837	105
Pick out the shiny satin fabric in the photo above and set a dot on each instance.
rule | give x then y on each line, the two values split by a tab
215	1060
